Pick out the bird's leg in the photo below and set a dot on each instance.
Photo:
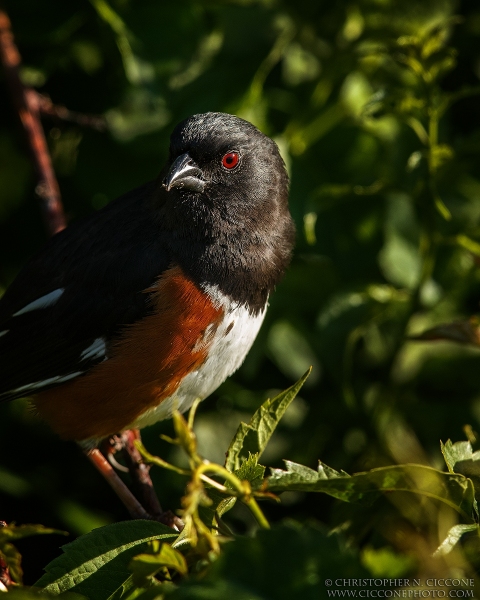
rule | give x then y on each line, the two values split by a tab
140	473
142	483
133	506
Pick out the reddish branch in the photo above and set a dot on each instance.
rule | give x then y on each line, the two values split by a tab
30	104
26	104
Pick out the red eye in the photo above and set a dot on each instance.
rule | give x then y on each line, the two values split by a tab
230	160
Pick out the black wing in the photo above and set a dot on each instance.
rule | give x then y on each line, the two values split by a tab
58	316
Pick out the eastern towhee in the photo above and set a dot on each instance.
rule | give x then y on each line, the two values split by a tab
154	300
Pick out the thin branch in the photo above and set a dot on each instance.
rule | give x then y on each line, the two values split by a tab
27	106
30	104
57	111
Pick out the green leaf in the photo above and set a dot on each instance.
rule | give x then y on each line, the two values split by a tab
251	471
454	453
454	490
96	564
461	459
286	562
15	593
11	555
11	533
254	437
144	566
187	438
453	537
385	562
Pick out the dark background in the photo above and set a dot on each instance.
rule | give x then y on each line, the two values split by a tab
342	87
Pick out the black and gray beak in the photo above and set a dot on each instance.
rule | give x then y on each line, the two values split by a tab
184	173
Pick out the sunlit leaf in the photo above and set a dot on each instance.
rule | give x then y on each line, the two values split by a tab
144	566
96	564
253	438
454	490
453	537
460	451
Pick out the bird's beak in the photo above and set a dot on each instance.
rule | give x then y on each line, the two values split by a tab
184	173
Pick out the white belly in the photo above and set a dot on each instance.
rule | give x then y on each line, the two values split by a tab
227	350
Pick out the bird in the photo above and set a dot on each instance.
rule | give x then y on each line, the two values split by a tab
153	301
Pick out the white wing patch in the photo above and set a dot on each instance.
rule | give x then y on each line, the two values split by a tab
42	302
4	332
32	387
97	349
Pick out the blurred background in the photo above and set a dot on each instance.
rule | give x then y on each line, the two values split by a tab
375	106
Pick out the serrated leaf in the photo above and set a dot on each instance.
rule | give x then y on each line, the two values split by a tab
452	453
454	490
461	459
144	566
95	564
453	537
254	437
251	471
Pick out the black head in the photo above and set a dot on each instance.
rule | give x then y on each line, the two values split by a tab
225	185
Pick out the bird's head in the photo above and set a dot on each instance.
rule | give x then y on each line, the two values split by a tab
225	166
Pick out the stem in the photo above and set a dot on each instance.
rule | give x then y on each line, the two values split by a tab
26	104
156	460
242	487
257	512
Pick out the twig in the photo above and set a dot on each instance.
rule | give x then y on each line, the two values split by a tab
57	111
26	104
30	104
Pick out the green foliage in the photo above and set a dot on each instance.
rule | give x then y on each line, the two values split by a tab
9	553
374	105
253	438
95	564
456	491
287	561
105	564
